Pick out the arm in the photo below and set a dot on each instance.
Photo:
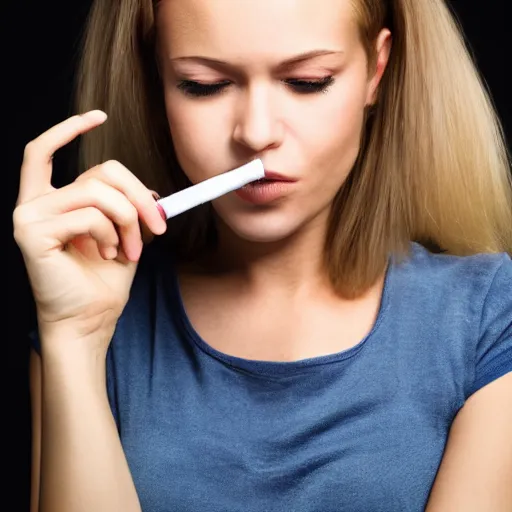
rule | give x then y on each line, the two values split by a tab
35	405
81	244
476	472
82	464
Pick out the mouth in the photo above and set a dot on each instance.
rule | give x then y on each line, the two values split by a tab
266	190
271	176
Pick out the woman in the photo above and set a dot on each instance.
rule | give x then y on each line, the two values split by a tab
336	338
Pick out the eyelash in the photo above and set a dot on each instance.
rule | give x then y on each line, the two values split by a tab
197	89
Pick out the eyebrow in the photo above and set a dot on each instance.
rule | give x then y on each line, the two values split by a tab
288	63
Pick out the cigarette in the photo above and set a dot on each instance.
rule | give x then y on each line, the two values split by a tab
210	189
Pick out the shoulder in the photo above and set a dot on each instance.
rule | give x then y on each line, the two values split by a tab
472	266
463	307
471	291
478	275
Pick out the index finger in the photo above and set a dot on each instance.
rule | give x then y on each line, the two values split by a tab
36	169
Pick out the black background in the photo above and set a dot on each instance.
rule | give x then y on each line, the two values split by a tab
40	46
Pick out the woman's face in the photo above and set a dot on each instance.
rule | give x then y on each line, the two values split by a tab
285	81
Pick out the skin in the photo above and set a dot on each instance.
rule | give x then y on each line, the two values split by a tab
311	137
269	260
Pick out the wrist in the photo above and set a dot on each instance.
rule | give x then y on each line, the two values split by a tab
69	355
75	336
72	366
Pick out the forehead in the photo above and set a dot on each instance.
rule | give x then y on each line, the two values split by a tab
238	28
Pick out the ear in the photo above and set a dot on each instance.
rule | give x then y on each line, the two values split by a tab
383	50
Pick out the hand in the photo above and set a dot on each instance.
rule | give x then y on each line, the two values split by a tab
80	243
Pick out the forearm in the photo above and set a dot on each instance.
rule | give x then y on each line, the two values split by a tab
83	466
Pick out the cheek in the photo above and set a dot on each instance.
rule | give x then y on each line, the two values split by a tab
333	134
197	142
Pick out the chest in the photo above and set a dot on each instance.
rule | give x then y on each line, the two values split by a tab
270	328
228	443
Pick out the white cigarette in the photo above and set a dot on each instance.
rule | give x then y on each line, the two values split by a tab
211	188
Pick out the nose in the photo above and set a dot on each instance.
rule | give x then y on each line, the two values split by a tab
257	124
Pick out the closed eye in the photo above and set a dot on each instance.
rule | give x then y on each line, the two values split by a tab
191	88
311	86
198	89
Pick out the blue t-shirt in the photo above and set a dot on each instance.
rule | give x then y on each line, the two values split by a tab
360	430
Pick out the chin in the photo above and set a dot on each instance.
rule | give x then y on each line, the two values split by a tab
269	227
268	236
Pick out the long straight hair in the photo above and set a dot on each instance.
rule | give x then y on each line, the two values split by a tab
433	165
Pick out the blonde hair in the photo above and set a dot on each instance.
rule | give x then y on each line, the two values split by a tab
433	165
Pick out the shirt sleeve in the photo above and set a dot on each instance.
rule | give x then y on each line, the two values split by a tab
494	348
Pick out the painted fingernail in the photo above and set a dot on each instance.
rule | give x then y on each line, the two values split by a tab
162	212
156	197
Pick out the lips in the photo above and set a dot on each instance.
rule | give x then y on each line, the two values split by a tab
275	176
272	187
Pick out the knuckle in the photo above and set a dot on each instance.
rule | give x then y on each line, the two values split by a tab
103	226
21	216
96	217
84	175
30	149
99	222
19	234
92	186
111	168
129	216
21	223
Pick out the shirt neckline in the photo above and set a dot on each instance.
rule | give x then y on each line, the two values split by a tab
280	368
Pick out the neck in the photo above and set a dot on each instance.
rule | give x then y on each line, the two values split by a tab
292	264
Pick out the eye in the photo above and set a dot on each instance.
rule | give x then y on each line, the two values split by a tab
198	89
310	86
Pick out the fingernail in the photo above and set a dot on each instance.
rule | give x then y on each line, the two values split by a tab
111	253
156	197
95	115
162	212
